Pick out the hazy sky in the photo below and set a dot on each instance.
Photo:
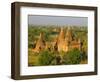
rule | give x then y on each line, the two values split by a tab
57	20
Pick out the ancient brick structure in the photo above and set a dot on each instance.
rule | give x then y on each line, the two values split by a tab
65	41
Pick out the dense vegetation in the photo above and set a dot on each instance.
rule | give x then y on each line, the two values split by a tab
46	57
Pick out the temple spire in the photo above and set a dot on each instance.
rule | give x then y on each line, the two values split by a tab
61	35
69	35
40	45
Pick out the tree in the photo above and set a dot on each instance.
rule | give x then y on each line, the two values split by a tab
72	57
45	58
56	60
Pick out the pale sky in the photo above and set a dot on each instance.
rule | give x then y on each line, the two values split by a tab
57	20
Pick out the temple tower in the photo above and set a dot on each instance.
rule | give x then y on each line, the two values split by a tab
62	45
40	45
69	35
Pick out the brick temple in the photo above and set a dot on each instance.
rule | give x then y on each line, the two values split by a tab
64	41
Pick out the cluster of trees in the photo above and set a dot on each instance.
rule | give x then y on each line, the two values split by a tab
46	57
71	57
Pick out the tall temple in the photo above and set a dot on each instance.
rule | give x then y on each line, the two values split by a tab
40	44
65	41
62	44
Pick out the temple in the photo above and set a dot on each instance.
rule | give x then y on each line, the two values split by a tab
65	41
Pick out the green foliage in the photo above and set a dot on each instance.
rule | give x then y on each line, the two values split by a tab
72	57
32	58
83	56
45	58
56	60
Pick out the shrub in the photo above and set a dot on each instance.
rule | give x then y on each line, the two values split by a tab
72	57
56	60
45	58
83	55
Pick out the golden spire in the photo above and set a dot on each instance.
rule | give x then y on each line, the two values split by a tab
61	35
40	45
41	35
69	34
